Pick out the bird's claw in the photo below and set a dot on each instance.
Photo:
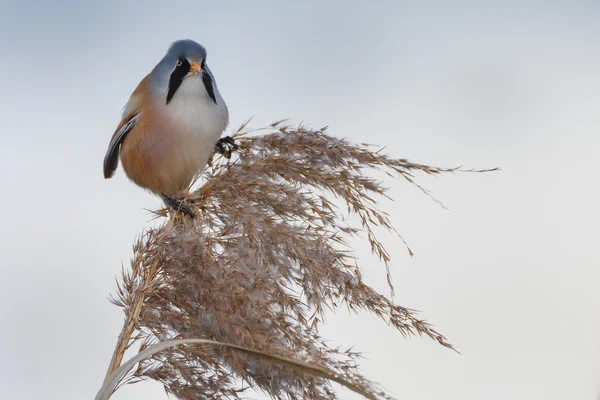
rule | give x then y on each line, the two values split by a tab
226	145
178	206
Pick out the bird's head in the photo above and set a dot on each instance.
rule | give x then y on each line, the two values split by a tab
184	60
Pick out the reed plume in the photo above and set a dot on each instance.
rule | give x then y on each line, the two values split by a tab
254	273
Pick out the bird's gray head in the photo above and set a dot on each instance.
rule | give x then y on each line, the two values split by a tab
188	49
185	58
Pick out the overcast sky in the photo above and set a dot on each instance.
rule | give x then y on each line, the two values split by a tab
511	274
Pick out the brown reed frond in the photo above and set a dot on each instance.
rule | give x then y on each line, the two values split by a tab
111	383
262	261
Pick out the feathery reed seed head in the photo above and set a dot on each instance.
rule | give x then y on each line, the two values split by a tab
264	259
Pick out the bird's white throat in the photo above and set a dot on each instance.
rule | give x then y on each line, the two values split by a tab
199	120
195	111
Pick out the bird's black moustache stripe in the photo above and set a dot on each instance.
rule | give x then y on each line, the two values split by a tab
208	84
179	74
177	77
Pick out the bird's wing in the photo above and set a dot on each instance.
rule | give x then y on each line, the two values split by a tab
111	159
130	116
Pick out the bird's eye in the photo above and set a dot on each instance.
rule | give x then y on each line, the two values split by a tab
179	62
203	63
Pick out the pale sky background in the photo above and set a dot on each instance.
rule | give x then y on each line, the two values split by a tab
511	274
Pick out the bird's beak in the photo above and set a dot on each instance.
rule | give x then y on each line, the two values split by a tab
195	68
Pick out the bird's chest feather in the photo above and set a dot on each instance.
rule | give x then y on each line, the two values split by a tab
196	119
176	140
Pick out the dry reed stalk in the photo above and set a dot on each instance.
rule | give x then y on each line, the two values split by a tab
131	316
255	270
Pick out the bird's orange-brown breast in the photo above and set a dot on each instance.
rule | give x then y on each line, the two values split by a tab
149	153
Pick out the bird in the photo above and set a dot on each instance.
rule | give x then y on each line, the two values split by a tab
171	126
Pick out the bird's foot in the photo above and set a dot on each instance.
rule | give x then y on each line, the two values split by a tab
178	206
226	145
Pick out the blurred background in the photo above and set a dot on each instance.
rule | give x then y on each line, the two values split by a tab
510	274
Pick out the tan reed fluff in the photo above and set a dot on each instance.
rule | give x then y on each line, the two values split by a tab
257	268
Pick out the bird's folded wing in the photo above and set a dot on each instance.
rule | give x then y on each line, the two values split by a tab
111	159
